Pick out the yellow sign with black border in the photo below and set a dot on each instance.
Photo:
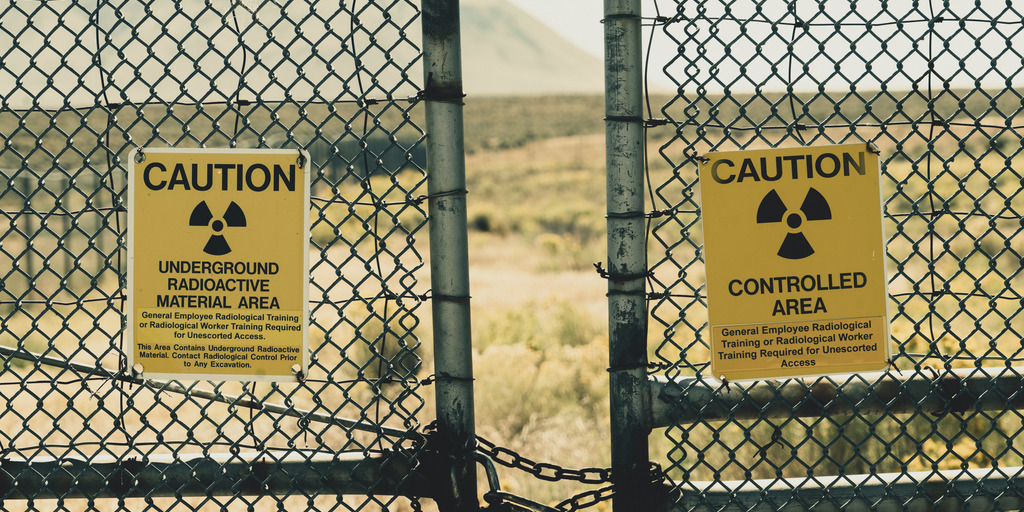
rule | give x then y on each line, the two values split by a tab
795	260
218	264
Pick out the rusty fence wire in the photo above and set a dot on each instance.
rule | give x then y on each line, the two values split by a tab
84	83
936	87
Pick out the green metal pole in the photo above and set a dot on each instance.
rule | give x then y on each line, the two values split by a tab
449	248
630	401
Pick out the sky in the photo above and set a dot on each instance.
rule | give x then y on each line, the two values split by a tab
977	44
579	21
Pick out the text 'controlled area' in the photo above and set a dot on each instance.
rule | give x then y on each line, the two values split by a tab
798	284
795	261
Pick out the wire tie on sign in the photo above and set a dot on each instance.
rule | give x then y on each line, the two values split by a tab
301	160
892	365
692	153
140	156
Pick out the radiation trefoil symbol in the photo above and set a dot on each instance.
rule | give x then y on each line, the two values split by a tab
795	246
234	217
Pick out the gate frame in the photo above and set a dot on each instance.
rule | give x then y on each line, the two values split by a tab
629	400
449	249
398	473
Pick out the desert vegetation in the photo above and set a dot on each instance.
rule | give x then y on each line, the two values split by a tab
541	198
535	173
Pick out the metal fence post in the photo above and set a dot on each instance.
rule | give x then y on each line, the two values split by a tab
627	307
70	401
449	260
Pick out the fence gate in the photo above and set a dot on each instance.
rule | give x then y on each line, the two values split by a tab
935	87
84	83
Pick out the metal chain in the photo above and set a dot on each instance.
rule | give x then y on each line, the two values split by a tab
590	498
542	470
586	499
552	472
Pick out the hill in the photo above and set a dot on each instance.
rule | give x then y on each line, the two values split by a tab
507	52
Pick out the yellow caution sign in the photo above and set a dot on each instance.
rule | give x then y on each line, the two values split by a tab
218	264
795	260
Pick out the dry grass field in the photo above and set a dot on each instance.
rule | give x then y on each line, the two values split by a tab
535	173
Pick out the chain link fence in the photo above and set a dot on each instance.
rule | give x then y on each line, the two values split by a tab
84	83
934	86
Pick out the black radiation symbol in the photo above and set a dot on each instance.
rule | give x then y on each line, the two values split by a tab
795	246
233	217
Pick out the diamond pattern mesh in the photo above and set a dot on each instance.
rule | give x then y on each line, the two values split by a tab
934	85
84	83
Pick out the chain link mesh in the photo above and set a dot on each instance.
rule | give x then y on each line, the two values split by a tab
934	85
84	83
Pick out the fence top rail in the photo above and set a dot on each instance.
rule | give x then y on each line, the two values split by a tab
928	391
246	473
919	490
